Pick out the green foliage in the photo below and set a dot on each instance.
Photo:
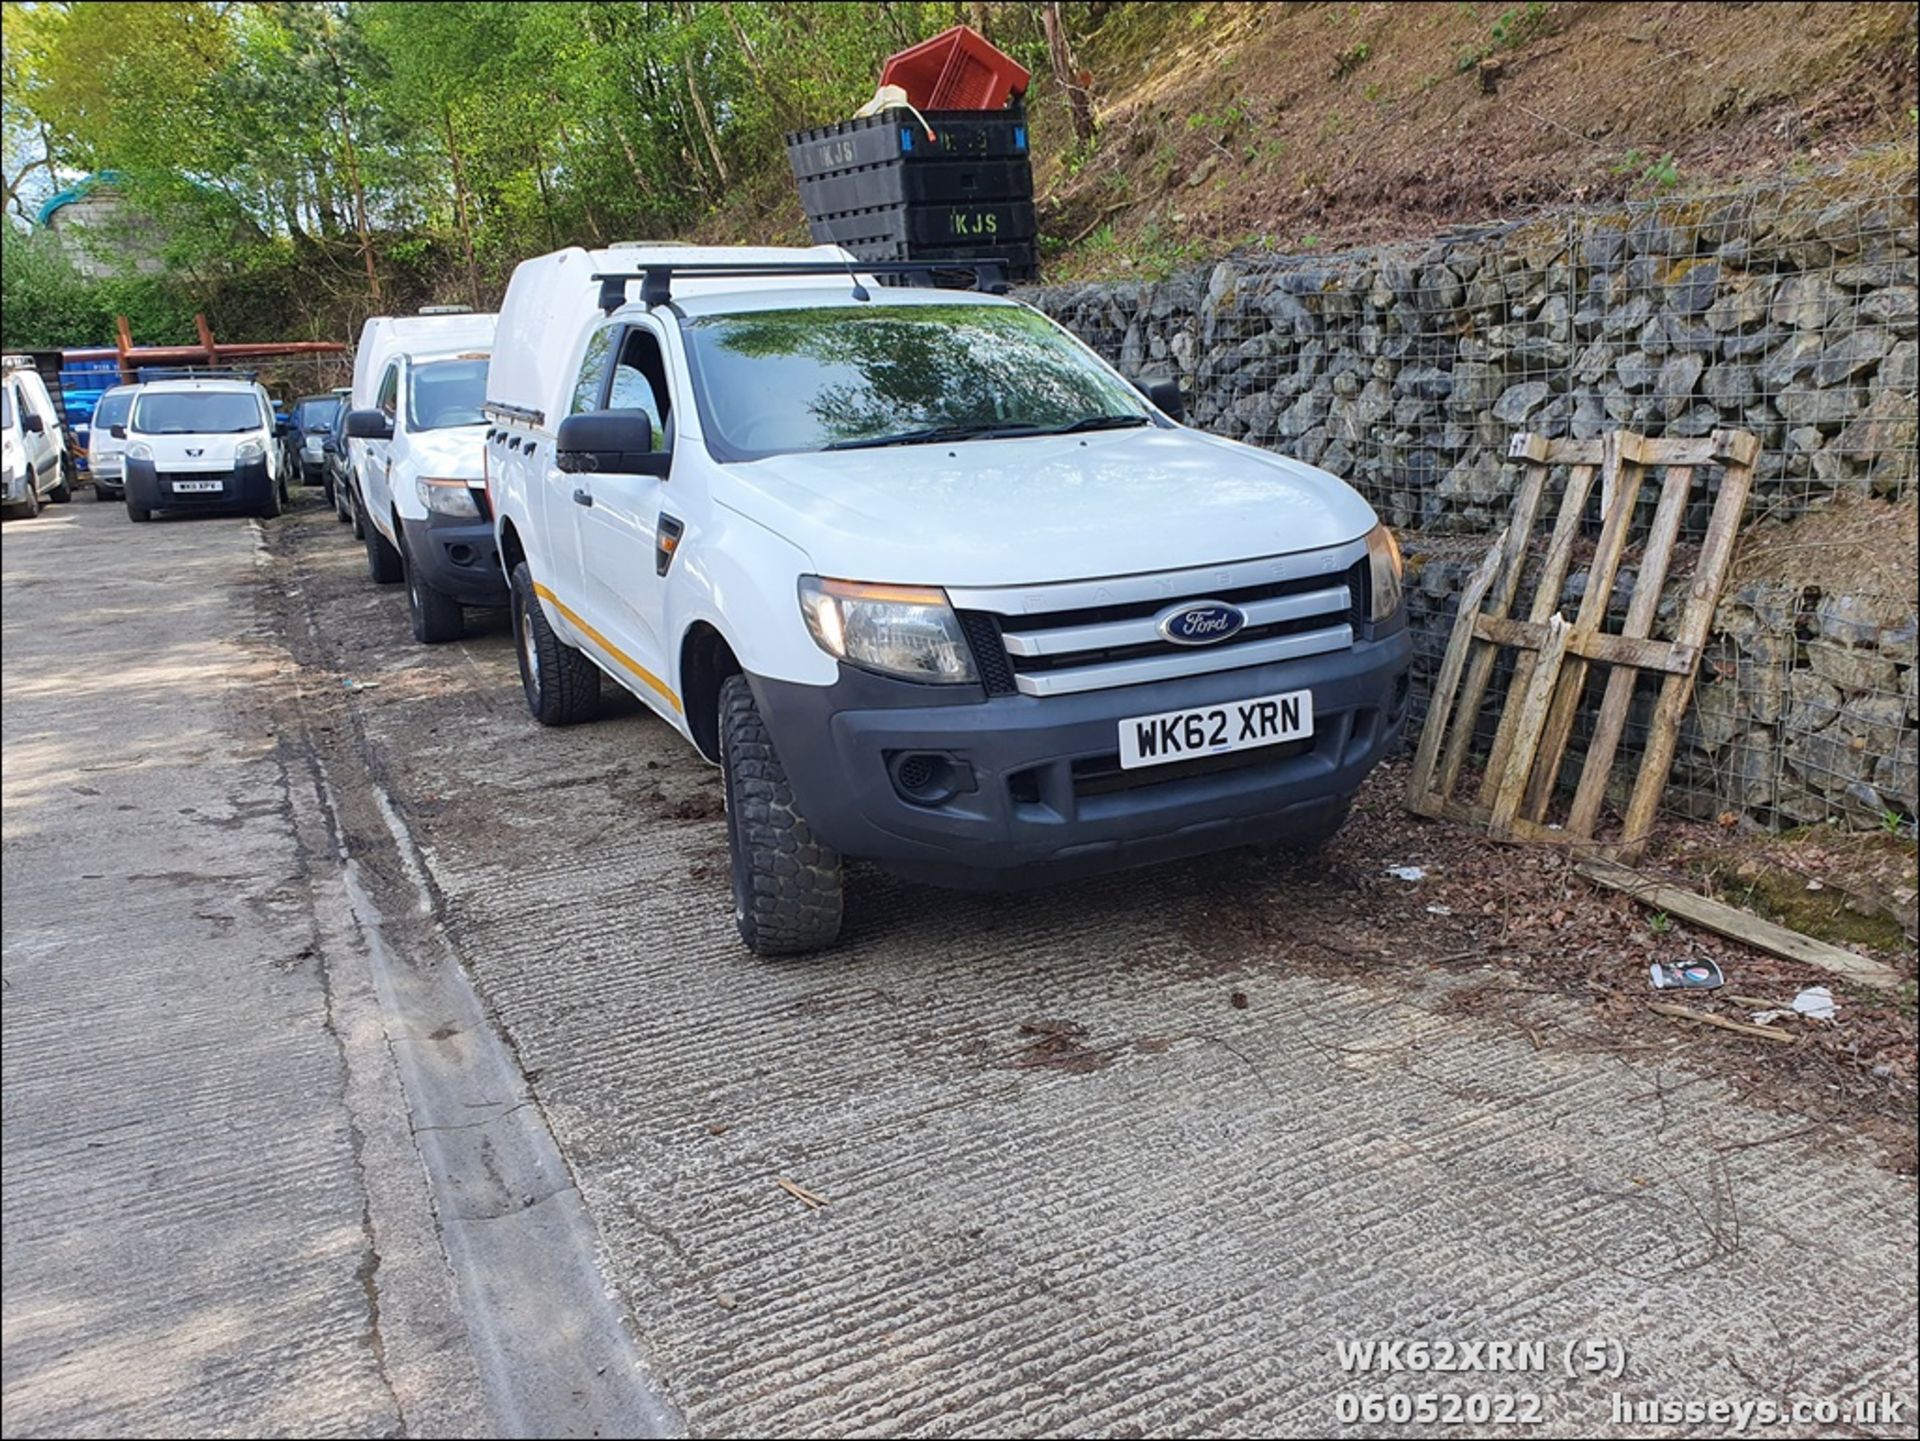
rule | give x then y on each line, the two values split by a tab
1230	118
1662	173
1515	27
1350	60
50	305
435	144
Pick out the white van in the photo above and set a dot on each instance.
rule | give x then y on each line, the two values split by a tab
931	582
34	441
202	444
107	442
416	452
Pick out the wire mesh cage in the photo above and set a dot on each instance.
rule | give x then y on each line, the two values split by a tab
1787	311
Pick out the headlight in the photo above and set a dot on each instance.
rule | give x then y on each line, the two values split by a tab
448	497
248	450
139	450
1383	560
902	630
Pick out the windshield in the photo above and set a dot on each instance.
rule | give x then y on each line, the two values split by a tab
113	409
777	381
202	412
316	414
444	393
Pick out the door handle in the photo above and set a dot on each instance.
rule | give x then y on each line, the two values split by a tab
583	497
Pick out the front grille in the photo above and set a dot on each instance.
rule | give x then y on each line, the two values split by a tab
1083	646
1103	775
989	651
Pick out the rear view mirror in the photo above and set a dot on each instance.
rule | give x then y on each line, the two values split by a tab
34	425
610	442
1166	395
280	427
369	425
118	432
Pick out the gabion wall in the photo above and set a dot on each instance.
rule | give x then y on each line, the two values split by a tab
1789	312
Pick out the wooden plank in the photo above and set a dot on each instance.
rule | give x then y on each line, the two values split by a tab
1519	534
1745	1028
1420	794
1623	466
1641	651
1546	601
1696	620
1591	792
1741	925
1511	785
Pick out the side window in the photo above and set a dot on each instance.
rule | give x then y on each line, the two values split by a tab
593	371
388	398
640	383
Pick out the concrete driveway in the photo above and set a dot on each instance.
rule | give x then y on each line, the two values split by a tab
1089	1161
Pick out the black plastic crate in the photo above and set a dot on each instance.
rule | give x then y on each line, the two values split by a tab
887	143
1018	263
882	190
945	183
983	223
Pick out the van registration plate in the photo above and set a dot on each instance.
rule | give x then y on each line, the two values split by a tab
1238	725
193	487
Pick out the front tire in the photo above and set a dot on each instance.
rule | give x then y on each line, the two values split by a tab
436	616
787	884
63	492
271	506
138	513
561	685
383	561
356	514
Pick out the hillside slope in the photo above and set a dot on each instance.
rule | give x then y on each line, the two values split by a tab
1296	125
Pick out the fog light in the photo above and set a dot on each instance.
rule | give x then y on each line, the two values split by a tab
461	554
929	778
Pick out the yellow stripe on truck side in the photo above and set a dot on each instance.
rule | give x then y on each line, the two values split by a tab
573	619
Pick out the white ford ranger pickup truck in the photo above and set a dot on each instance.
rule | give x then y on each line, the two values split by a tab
933	584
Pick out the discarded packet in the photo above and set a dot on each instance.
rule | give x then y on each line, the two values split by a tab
1686	976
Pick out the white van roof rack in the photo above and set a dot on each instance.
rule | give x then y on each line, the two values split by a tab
656	281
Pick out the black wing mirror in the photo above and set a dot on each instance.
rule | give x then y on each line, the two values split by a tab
280	427
34	425
1166	395
118	432
369	425
610	442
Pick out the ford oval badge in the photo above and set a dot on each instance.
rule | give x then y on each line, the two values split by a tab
1201	622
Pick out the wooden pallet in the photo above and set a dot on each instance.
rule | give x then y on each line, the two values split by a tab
1553	654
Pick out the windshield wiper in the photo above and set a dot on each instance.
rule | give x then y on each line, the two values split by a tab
1095	422
934	434
930	435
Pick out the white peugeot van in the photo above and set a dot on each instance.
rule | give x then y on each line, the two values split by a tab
202	444
34	441
932	583
107	442
415	439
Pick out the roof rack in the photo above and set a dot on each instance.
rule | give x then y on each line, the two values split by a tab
656	281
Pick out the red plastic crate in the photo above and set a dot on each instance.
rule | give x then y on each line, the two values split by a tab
956	70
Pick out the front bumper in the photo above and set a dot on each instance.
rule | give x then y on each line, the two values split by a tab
458	558
1041	795
246	485
14	487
